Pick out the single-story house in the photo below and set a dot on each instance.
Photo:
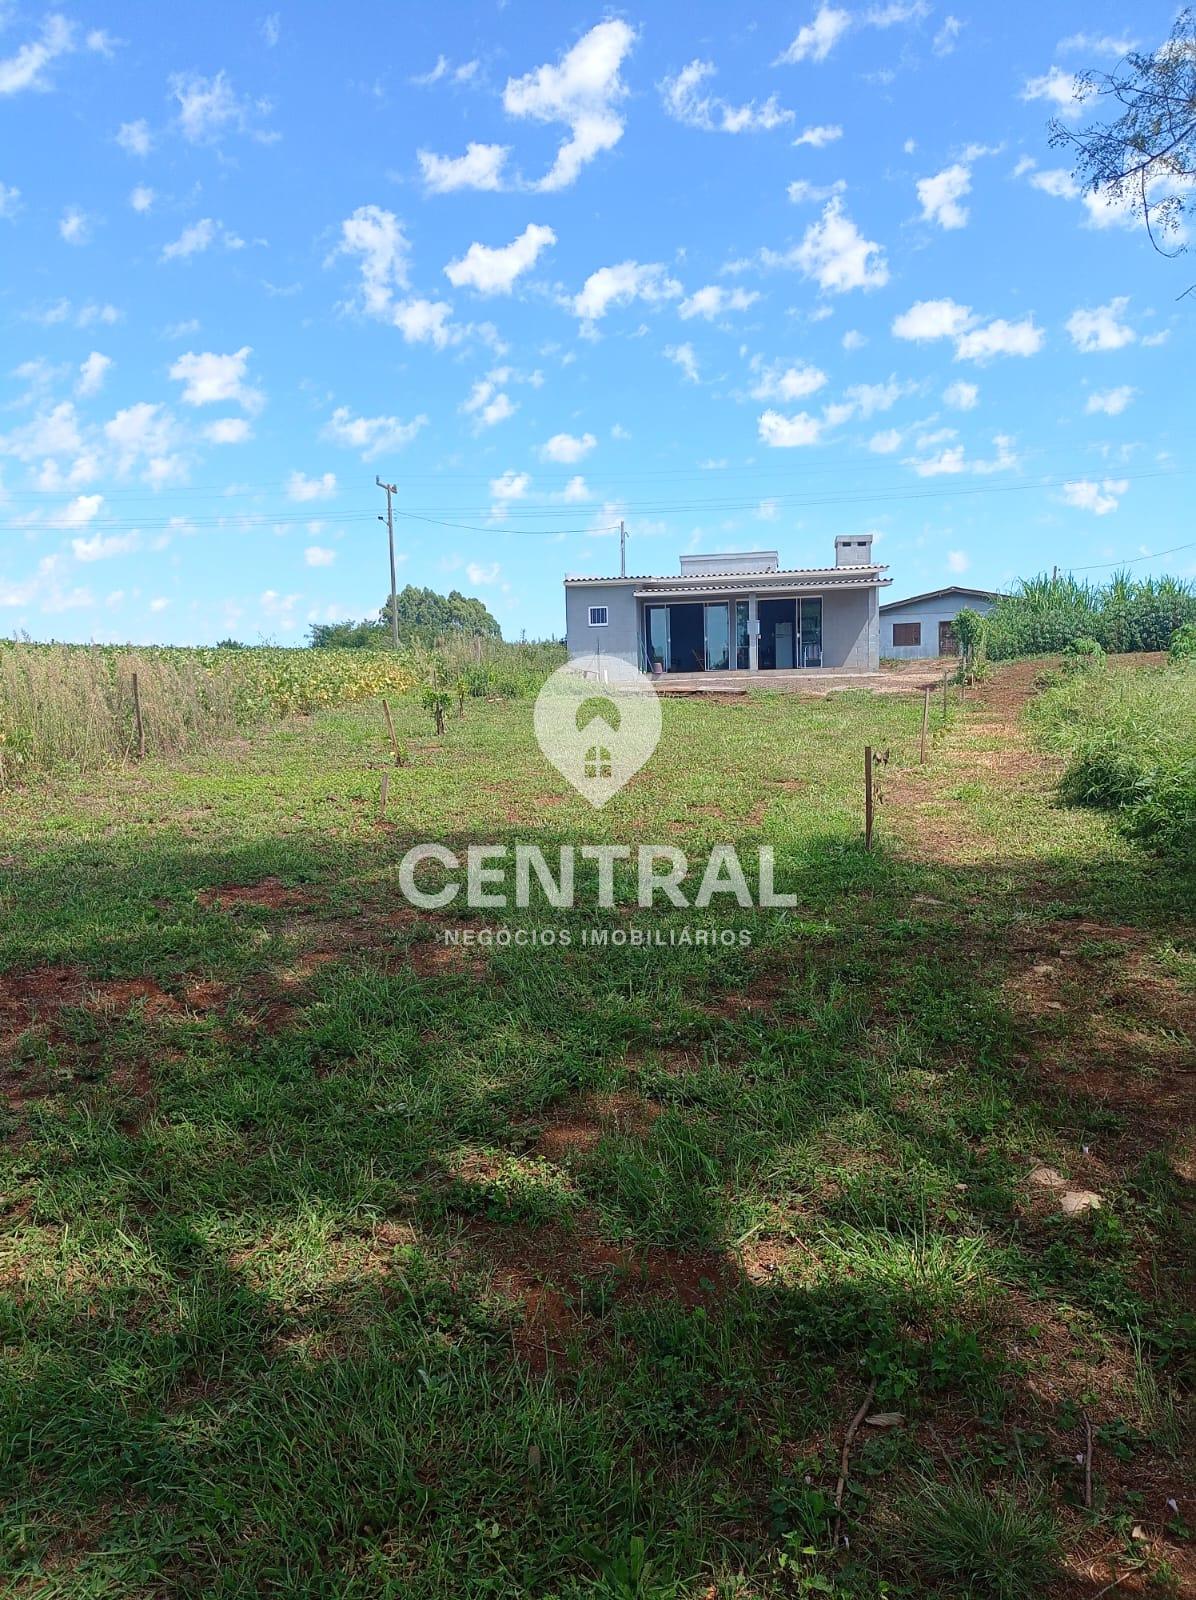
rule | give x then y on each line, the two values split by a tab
739	612
921	627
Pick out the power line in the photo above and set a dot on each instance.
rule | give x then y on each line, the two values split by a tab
1130	561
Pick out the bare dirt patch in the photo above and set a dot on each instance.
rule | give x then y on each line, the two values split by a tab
574	1129
269	892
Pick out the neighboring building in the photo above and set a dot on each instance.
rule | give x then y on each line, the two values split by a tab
914	629
739	613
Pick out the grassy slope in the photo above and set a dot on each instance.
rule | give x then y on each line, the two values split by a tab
359	1270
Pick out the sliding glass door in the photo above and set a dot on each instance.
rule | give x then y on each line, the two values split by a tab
743	647
718	638
810	631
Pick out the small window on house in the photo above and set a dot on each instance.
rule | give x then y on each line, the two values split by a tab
907	633
598	617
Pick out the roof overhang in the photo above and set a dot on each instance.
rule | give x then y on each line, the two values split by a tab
792	583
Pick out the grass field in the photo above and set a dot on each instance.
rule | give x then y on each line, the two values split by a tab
337	1261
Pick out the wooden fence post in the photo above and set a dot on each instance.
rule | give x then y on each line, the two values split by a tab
868	806
925	721
945	677
138	723
390	728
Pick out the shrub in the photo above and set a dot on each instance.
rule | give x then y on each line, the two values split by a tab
1129	736
1183	642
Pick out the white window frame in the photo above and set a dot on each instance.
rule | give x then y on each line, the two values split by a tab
605	623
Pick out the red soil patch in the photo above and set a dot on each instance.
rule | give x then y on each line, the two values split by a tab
205	995
574	1129
270	892
546	1269
432	958
127	994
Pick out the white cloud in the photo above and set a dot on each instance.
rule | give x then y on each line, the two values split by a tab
715	301
1057	87
194	239
145	435
821	134
210	379
494	271
684	100
445	69
483	576
1099	498
952	459
74	226
1098	328
1000	338
974	340
1056	181
27	68
487	403
302	488
944	39
837	256
228	430
567	448
957	561
92	373
853	339
1110	402
159	603
885	442
481	167
783	433
135	137
1095	45
961	396
941	194
510	486
271	30
371	436
576	489
318	555
142	199
582	91
817	39
425	322
102	547
685	357
803	191
620	285
9	200
777	382
377	239
932	319
83	509
209	108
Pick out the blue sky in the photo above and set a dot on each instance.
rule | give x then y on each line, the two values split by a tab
744	278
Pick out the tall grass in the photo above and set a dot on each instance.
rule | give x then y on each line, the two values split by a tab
72	705
61	706
1045	615
1129	735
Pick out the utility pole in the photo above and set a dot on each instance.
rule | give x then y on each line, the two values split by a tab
391	489
622	549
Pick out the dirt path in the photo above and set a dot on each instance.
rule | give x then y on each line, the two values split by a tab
990	747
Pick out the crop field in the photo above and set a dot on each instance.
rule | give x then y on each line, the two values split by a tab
851	1257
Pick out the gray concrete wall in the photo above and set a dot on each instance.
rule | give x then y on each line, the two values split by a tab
945	608
619	637
850	630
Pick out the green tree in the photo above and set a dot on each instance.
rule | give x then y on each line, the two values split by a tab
1145	156
424	618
